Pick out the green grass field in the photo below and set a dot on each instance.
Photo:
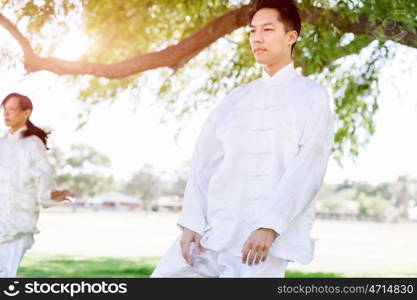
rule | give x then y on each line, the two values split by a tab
105	267
129	244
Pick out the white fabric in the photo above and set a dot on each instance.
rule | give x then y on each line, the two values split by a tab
25	184
215	264
259	161
11	254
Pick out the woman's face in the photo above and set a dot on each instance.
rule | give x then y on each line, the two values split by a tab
14	116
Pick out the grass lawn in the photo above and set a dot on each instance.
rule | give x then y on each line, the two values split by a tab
105	267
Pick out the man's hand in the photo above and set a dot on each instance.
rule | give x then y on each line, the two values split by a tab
61	195
189	236
258	244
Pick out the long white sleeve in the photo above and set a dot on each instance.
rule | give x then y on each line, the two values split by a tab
42	172
302	179
194	211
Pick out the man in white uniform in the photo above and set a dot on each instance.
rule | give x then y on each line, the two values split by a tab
258	163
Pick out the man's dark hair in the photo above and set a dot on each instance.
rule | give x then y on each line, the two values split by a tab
288	14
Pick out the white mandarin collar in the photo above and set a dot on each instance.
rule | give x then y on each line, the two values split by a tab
16	135
281	76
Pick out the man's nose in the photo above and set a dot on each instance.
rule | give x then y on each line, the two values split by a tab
257	37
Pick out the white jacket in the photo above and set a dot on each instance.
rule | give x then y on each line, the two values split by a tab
259	161
25	184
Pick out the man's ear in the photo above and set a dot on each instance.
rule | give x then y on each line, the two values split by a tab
292	37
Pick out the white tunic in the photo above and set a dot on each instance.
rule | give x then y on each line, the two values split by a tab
259	161
25	184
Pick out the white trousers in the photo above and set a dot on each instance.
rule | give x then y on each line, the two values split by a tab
11	254
215	264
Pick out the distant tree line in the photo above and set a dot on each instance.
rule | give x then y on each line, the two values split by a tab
384	201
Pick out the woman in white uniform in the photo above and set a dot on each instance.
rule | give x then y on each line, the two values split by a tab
25	182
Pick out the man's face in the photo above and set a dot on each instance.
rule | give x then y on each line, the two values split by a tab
14	116
269	42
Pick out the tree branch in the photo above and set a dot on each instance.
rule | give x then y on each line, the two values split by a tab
355	46
173	57
178	55
364	26
19	37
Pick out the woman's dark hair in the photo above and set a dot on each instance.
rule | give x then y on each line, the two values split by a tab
25	103
288	14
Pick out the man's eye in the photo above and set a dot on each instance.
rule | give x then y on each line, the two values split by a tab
268	29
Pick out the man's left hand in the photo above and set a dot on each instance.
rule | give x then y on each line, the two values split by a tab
256	247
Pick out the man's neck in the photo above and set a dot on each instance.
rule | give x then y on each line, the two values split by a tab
273	68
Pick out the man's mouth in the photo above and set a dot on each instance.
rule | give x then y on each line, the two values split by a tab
259	50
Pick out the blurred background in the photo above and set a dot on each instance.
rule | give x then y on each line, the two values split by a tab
125	86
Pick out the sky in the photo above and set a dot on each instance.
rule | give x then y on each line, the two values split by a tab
130	132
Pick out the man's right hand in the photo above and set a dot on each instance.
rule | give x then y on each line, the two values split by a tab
189	236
